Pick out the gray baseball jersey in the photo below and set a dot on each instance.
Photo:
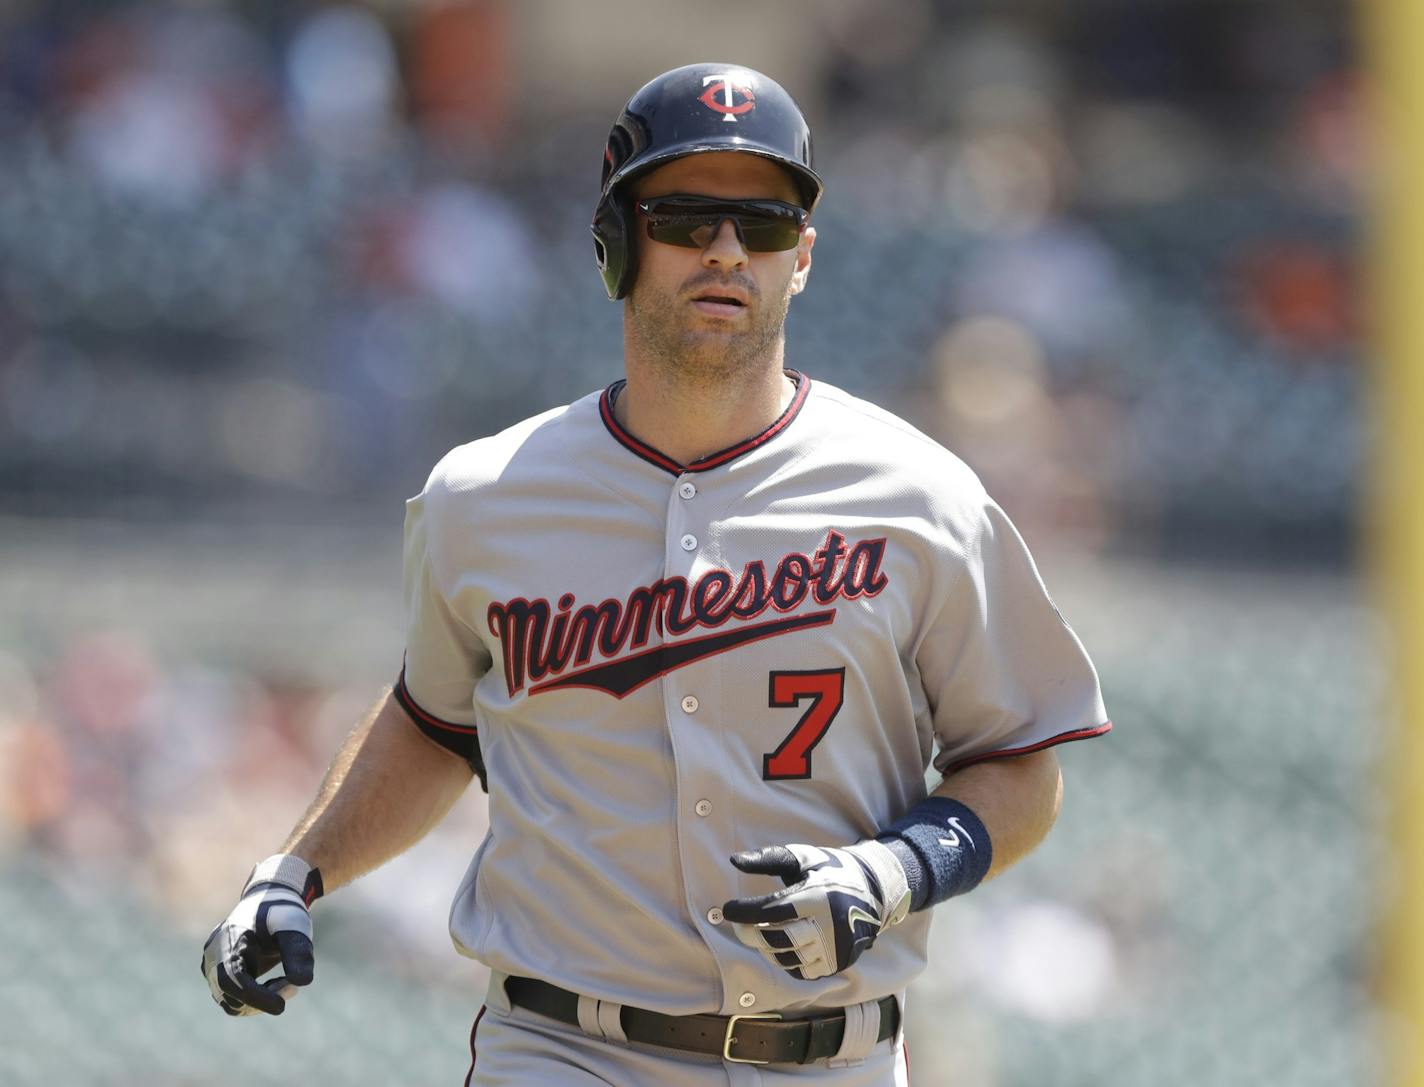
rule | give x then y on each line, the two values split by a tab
665	664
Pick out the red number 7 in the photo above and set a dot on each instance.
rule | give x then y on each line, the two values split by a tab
826	690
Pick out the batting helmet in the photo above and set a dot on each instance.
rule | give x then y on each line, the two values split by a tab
696	108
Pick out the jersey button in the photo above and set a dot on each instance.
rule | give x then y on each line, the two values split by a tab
687	489
746	1000
689	542
690	704
703	808
715	915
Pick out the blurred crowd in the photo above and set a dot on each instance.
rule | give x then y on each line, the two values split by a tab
120	767
286	255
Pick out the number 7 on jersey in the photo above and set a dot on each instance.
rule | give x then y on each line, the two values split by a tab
826	691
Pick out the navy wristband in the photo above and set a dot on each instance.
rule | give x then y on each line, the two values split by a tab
944	848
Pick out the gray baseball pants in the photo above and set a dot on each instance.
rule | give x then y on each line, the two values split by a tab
515	1047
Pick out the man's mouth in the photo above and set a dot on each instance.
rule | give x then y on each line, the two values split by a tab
719	304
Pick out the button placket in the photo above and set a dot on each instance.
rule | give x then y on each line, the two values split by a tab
695	720
694	695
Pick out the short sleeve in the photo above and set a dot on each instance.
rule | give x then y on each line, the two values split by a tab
1003	672
444	658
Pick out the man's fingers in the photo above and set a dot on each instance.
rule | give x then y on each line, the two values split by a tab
773	860
801	934
787	960
269	932
763	909
283	987
240	989
816	968
298	957
778	939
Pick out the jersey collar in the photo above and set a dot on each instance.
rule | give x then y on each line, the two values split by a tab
712	460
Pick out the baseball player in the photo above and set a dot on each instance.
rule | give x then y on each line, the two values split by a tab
700	635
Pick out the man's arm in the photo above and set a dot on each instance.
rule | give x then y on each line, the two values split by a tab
1017	799
835	901
387	787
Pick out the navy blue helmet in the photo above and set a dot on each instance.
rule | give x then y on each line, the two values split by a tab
696	108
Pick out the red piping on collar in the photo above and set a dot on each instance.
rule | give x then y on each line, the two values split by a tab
712	460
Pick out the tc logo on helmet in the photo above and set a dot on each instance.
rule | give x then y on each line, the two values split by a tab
729	93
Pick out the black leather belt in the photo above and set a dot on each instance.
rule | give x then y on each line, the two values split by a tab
763	1038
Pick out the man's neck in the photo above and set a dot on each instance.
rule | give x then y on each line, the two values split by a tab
689	420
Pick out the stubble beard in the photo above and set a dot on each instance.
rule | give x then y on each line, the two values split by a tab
697	353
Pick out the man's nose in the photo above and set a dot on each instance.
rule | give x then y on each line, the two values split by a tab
725	250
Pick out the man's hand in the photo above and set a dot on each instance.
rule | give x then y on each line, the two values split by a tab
836	901
269	926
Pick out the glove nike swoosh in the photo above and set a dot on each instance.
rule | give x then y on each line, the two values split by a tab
855	913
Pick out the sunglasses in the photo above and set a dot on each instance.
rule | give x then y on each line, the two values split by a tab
764	226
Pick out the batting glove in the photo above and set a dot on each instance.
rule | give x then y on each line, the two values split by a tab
269	926
834	904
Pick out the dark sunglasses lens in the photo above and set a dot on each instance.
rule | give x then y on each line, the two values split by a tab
764	229
769	235
690	233
759	235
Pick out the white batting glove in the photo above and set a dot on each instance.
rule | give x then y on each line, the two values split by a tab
269	926
834	904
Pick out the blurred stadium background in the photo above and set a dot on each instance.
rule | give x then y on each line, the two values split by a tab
262	263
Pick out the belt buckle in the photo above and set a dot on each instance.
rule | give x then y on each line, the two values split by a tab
728	1039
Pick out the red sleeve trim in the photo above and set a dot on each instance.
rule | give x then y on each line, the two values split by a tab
408	703
1052	741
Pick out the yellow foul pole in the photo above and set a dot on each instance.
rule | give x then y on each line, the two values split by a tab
1394	42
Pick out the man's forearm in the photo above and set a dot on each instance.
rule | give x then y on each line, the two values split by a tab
386	788
1016	798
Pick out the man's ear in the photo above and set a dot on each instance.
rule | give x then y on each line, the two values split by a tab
803	260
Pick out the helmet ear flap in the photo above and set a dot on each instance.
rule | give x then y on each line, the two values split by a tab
612	246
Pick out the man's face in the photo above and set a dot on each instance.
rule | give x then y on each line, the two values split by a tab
670	310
